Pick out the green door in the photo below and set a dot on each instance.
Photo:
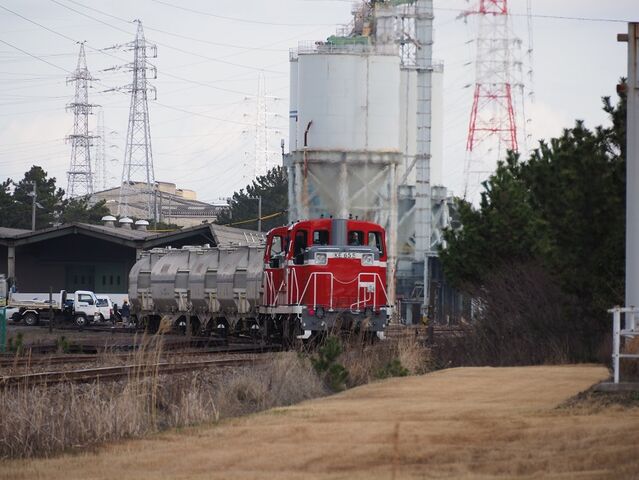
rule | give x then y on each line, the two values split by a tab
110	278
80	277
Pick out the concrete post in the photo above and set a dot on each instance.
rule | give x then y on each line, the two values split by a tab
632	169
11	262
616	339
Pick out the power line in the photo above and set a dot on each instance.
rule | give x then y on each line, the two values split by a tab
178	35
34	56
537	15
250	67
242	20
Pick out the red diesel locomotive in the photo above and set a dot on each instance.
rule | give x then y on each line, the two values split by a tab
328	273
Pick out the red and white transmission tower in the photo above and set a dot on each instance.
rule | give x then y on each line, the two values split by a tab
493	119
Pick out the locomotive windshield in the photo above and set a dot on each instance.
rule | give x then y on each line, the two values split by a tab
301	242
320	237
375	240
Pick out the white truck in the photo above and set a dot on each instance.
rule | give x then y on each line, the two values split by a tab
80	307
105	308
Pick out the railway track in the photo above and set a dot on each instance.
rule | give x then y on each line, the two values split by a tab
118	372
8	360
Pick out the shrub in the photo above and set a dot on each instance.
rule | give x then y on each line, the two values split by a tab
394	368
325	363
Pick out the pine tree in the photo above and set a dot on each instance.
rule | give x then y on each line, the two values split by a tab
243	206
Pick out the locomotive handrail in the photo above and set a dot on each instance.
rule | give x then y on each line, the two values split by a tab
360	279
270	287
294	287
313	277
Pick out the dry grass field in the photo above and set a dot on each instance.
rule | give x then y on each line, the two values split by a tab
457	423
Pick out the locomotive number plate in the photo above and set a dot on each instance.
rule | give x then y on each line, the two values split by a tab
345	255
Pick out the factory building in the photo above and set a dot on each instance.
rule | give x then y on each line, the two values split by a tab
171	204
94	257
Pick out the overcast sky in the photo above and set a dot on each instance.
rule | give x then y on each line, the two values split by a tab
210	54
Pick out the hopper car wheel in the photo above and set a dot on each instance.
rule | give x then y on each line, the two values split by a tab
30	319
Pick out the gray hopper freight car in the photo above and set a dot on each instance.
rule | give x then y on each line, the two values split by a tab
205	287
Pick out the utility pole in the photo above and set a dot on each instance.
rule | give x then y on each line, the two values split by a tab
34	203
632	166
259	212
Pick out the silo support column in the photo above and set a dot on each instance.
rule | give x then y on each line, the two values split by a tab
299	195
392	242
343	190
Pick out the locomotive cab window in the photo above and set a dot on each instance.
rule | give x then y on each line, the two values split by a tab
375	240
356	237
320	237
276	251
300	244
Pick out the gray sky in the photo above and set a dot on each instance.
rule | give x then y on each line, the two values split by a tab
208	66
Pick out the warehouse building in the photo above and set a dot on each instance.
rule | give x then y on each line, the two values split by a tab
80	256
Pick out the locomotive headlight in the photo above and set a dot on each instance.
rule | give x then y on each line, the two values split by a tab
368	259
321	259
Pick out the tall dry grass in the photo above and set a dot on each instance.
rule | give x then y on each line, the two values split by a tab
46	420
367	361
40	421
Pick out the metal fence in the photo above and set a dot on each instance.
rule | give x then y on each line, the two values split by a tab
630	329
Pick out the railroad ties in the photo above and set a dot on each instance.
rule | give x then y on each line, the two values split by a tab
118	372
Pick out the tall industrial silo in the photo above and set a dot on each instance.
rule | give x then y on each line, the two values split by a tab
345	138
366	131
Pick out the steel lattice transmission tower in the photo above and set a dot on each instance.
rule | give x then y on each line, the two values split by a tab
263	129
99	170
261	137
79	176
493	116
138	177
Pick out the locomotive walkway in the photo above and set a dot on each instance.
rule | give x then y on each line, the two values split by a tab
457	423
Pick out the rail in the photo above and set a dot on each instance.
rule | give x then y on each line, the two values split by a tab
12	360
115	373
630	329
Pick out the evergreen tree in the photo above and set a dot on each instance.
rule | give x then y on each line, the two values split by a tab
78	210
51	207
562	209
50	200
243	206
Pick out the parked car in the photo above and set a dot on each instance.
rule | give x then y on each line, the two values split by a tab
105	309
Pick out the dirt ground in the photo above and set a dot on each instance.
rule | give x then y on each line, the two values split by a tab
457	423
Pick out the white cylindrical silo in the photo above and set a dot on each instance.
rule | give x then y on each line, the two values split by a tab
352	100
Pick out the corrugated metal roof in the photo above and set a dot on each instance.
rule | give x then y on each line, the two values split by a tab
11	232
230	235
221	235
